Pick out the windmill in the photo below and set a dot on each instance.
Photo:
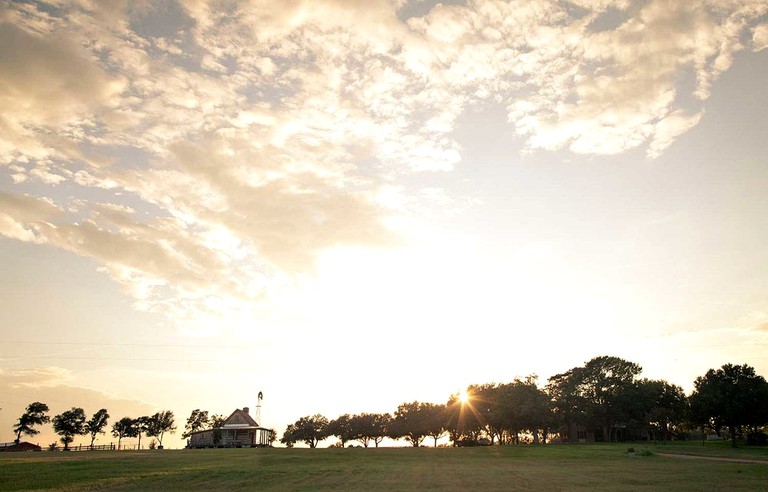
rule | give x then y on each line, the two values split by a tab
258	408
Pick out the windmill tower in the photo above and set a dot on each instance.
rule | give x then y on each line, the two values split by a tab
258	408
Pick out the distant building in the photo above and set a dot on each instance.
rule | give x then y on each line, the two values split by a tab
19	446
239	431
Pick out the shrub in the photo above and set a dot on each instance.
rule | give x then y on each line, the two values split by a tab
757	439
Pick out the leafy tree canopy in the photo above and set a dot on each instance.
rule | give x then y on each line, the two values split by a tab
160	423
97	423
732	396
70	424
309	430
198	420
35	414
125	427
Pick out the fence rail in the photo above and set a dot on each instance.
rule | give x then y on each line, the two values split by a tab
100	447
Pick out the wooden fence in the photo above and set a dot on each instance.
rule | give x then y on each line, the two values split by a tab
86	447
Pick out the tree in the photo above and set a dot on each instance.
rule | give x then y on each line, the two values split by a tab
658	407
96	424
435	414
70	424
159	424
466	417
310	430
603	380
594	394
568	404
411	422
141	424
32	416
341	427
198	420
125	427
732	396
271	436
521	406
217	421
368	427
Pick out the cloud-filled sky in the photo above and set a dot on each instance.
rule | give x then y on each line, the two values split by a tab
349	205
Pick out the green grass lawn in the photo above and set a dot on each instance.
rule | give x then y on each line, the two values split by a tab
553	467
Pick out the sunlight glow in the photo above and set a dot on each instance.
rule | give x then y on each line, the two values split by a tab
463	396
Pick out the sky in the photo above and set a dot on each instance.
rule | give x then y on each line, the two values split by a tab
351	205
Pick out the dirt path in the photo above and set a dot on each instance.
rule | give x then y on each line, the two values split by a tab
712	458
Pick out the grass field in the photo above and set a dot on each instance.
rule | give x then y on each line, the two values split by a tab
551	468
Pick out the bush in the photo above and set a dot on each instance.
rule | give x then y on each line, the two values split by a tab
757	439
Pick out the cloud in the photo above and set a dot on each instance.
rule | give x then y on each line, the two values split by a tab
669	128
206	157
40	377
760	37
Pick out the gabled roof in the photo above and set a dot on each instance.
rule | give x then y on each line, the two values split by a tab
239	418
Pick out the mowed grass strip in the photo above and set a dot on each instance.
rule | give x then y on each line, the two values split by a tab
551	468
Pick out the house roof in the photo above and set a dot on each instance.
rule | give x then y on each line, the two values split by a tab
239	419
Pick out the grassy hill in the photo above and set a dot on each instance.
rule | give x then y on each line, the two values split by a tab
550	468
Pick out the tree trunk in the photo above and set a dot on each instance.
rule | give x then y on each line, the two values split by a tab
732	428
573	436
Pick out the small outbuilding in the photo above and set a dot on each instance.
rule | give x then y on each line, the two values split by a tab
239	430
19	446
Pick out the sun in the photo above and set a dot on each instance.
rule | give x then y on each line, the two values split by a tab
463	396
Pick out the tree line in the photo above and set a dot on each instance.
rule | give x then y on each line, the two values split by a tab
73	422
604	400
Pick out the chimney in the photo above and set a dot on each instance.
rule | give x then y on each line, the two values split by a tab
245	409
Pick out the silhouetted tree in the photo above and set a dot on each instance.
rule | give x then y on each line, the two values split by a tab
732	396
411	422
437	420
602	382
159	424
656	406
310	430
32	416
465	420
521	406
141	424
125	427
568	404
368	427
341	427
96	424
69	424
593	394
198	420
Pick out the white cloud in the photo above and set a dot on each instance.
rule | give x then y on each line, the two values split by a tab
669	128
259	134
760	37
